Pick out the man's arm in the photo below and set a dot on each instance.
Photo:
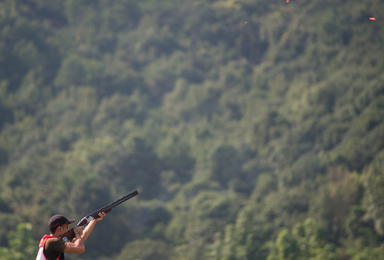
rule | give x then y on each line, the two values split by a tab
77	244
87	231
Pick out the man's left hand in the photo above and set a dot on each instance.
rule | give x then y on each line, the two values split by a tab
101	216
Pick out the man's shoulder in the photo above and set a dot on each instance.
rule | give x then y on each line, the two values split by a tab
55	244
54	240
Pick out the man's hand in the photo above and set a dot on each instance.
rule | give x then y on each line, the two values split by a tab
91	225
78	230
77	244
101	216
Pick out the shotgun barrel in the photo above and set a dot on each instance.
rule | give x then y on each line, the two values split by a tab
107	208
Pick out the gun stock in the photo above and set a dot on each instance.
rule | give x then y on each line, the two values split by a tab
107	208
69	235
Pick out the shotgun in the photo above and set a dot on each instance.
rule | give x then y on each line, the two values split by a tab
107	208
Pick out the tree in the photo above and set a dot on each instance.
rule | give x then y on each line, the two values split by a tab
374	197
305	242
21	244
370	253
244	240
146	250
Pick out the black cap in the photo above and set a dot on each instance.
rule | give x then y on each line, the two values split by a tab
58	220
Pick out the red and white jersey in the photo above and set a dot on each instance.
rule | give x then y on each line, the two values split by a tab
40	254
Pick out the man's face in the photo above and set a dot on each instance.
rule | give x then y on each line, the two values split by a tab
63	229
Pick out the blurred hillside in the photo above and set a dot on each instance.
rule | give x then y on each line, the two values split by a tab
251	129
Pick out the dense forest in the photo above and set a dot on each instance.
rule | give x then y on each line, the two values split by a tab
251	129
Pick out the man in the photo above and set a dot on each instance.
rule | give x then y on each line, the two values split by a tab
53	247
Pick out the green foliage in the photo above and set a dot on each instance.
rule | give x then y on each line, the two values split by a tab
305	242
334	201
235	120
373	181
369	253
146	250
246	239
20	243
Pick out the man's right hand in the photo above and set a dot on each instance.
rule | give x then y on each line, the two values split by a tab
78	230
77	244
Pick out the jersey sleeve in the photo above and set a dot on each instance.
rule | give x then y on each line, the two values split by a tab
55	245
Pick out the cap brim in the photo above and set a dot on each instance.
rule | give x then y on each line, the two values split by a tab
71	221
